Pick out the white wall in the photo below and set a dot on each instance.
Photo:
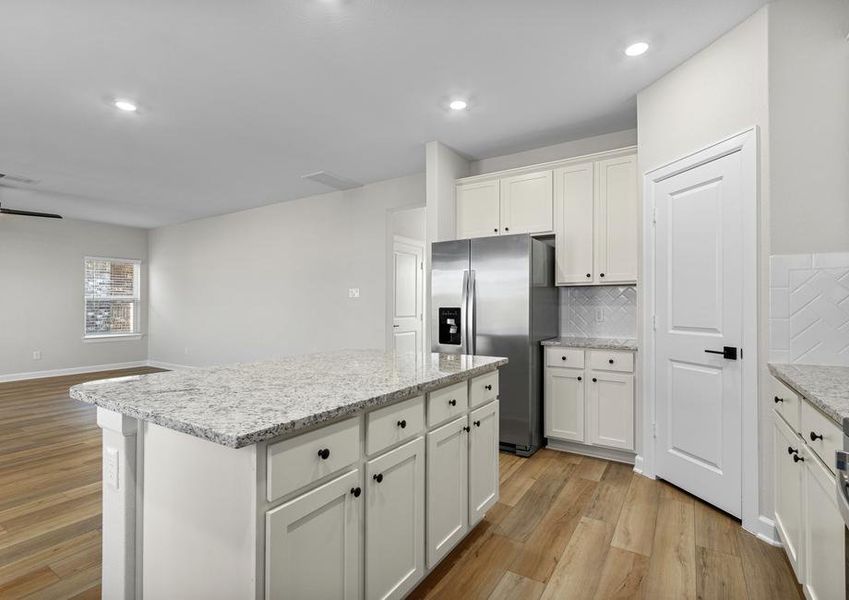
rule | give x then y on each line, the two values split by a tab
410	223
809	126
273	281
41	293
590	145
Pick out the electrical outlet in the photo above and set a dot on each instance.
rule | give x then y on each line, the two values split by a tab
599	314
353	292
36	354
110	467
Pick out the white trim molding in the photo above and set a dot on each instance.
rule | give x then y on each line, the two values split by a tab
72	371
767	531
614	454
746	143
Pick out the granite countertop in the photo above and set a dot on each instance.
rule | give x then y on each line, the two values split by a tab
239	405
827	388
589	342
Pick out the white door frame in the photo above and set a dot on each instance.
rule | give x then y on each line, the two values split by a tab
746	143
391	313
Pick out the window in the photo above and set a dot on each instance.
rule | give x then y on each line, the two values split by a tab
111	297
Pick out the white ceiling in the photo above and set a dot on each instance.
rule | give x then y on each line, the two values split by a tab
240	98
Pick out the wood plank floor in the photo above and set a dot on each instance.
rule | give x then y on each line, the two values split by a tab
50	514
569	527
566	526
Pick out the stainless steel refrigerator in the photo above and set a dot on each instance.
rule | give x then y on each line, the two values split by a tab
496	296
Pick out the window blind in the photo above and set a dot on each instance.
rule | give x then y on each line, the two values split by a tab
111	296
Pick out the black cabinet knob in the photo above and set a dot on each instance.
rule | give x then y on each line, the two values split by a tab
488	388
610	361
589	274
324	453
562	358
594	380
467	429
402	423
601	274
777	399
797	458
495	230
579	378
815	436
356	491
506	229
452	402
477	423
378	478
791	450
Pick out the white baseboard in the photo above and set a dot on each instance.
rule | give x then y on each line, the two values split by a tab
640	467
72	371
765	530
594	451
167	365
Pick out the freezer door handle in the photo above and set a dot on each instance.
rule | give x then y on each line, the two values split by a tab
470	315
464	315
842	485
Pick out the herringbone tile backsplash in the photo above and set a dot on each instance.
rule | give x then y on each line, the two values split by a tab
600	311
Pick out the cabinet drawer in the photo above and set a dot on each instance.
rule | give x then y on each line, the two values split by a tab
786	403
557	356
447	403
822	435
300	460
483	389
392	424
612	360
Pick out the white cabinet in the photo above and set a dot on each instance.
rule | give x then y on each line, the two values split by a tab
447	488
478	209
564	404
313	543
526	203
596	222
787	448
483	461
616	220
505	205
394	532
824	534
573	209
589	398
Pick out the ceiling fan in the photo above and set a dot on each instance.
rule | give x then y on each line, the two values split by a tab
24	213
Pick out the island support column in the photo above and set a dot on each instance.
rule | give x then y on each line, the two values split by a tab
119	504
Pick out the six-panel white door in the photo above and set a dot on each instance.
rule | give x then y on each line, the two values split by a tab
564	404
313	543
527	203
447	488
478	209
610	409
616	220
394	496
483	461
573	209
788	491
407	297
699	307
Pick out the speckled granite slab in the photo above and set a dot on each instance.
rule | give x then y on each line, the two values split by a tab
243	404
827	388
597	343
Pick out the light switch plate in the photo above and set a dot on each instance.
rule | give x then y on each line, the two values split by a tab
353	292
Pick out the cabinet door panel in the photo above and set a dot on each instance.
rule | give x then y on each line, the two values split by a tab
610	409
616	220
313	543
395	521
573	203
478	209
788	492
825	566
447	488
527	203
483	461
564	404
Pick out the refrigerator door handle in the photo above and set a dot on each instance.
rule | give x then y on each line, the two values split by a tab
464	314
470	315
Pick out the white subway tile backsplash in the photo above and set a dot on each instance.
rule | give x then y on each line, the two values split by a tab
809	308
581	307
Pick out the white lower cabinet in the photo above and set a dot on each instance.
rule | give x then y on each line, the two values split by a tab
447	488
313	543
788	491
610	409
825	576
564	404
483	461
394	532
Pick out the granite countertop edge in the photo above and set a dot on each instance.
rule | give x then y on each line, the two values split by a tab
285	427
819	394
592	343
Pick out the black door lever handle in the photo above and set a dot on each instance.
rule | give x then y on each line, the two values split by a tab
729	352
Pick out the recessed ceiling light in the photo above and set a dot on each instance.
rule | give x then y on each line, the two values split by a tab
636	49
458	105
125	105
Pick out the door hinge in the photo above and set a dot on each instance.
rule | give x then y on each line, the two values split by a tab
654	430
421	266
654	215
654	322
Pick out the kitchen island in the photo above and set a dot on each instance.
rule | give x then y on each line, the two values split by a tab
334	475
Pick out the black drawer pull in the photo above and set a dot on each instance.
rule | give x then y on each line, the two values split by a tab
467	429
797	458
791	450
815	436
488	387
477	423
452	402
562	358
777	399
324	453
378	478
402	423
579	378
589	275
356	491
610	361
595	380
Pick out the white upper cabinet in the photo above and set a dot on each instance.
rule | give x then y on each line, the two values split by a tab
573	191
478	209
616	220
526	203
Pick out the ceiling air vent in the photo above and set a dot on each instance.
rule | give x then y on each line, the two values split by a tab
331	180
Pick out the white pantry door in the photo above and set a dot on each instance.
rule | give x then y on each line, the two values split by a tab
699	309
407	297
